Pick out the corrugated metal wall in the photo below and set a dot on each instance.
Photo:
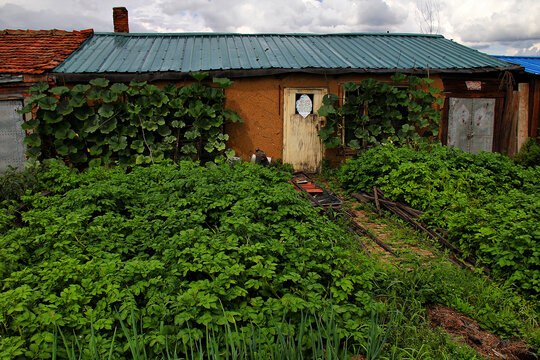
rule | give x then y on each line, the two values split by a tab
11	135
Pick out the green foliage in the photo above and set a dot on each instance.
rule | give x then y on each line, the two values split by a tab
191	248
529	154
488	205
317	337
101	123
375	112
418	284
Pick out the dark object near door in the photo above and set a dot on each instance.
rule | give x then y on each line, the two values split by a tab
260	158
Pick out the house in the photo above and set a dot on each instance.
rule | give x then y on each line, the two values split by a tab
273	71
27	56
530	104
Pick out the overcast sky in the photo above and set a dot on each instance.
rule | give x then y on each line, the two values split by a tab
497	27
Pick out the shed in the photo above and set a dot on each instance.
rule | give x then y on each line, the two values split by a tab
27	56
272	71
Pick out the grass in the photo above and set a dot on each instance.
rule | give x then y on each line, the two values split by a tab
320	342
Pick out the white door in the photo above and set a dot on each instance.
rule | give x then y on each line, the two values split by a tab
11	135
302	146
470	124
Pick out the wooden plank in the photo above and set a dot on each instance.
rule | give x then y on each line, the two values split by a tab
535	119
497	126
443	128
523	117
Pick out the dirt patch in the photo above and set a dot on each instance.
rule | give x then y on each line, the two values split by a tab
464	330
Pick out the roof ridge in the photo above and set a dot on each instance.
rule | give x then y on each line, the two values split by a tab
156	34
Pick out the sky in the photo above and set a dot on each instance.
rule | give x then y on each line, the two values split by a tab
496	27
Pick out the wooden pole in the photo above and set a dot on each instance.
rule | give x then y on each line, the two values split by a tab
523	117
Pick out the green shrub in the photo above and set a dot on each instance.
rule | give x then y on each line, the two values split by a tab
529	154
192	248
489	205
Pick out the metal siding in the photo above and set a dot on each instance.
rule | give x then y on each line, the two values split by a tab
129	53
11	135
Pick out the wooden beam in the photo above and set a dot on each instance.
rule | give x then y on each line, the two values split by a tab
535	119
523	117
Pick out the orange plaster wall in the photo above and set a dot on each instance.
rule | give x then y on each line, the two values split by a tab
259	101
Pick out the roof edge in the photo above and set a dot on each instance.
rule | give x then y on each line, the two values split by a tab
173	75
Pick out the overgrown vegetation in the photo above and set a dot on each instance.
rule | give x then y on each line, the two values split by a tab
489	205
529	154
376	112
101	123
191	248
213	260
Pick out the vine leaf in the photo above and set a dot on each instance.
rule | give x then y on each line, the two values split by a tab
59	90
106	110
80	89
32	140
48	103
222	82
199	76
100	82
118	88
38	87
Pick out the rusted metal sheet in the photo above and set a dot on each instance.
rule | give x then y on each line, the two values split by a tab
11	135
470	124
315	193
302	146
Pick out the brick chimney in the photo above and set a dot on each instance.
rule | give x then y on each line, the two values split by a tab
120	20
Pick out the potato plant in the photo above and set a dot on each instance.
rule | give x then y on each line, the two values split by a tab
189	248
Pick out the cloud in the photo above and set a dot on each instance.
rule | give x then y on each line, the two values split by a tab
483	24
285	15
17	17
486	24
377	13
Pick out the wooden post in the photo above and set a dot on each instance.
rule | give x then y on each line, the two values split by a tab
523	119
536	109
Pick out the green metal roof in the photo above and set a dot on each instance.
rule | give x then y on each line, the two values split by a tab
187	52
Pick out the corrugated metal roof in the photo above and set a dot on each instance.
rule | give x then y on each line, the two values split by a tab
530	63
187	52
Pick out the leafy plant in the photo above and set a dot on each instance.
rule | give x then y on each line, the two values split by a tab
488	205
100	123
529	154
190	248
375	112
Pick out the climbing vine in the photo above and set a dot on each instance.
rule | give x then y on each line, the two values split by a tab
100	123
375	112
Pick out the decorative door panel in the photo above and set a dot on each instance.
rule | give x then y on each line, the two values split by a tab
470	124
11	135
302	146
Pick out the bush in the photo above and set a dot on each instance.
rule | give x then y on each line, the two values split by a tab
488	204
529	154
190	248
